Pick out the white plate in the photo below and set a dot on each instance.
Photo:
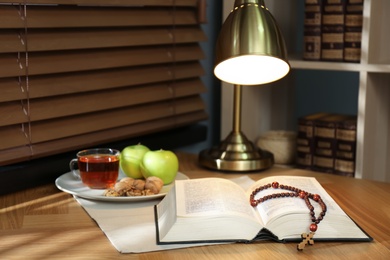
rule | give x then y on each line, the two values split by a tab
69	184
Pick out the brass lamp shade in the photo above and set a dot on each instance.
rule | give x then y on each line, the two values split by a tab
250	50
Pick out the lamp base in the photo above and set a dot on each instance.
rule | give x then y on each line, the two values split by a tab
236	153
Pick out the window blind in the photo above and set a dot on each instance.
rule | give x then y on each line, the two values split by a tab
81	73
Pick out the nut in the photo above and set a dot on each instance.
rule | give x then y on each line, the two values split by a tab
154	184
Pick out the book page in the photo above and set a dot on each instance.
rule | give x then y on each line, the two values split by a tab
212	196
273	208
166	212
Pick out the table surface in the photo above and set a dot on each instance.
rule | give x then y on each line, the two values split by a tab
45	223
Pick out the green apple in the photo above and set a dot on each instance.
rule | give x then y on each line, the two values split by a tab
131	157
160	163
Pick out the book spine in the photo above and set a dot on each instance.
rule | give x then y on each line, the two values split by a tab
323	164
332	39
353	30
312	30
346	147
304	160
305	140
305	144
325	144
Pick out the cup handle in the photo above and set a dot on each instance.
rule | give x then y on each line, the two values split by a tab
75	172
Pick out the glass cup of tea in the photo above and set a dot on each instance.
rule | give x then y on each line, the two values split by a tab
98	168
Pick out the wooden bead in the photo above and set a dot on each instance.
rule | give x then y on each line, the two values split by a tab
313	227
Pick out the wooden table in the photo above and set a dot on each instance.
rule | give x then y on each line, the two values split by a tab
45	223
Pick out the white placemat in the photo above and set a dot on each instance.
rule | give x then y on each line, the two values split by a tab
131	226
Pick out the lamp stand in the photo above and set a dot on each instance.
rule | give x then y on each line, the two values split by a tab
236	152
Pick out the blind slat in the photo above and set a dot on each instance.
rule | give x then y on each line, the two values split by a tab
100	101
43	109
13	113
105	38
42	63
188	3
42	86
84	123
110	119
58	17
13	136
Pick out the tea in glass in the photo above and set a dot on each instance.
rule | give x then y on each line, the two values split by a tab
98	168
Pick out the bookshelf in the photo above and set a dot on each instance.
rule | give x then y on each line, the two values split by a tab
274	106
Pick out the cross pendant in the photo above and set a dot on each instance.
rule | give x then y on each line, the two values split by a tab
307	239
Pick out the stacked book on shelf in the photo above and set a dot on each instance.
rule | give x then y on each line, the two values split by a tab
326	142
333	30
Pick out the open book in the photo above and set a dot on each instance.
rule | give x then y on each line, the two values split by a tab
218	210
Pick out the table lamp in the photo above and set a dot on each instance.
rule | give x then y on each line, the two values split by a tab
250	50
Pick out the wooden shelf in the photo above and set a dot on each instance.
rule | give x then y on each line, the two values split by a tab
297	63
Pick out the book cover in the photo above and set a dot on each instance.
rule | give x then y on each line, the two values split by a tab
353	30
332	40
212	210
312	30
